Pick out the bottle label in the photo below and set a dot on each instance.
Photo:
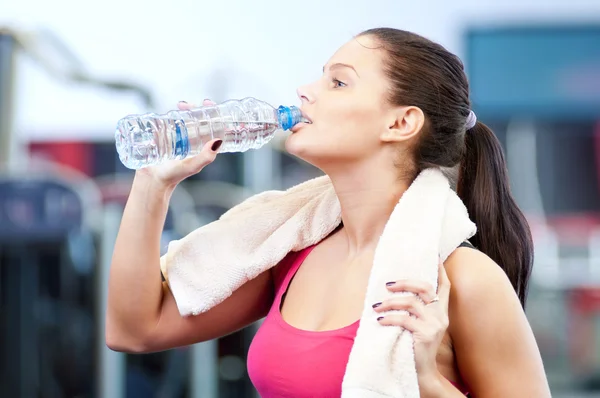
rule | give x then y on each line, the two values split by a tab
182	143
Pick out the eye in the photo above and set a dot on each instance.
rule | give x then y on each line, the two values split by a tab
338	83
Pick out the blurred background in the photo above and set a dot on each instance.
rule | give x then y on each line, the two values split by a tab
70	69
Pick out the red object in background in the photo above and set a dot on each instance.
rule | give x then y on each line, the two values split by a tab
574	229
585	300
77	155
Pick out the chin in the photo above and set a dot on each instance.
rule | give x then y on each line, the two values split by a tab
307	150
295	145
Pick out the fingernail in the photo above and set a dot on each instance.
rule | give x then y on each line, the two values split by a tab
390	283
376	305
206	99
183	102
380	318
216	145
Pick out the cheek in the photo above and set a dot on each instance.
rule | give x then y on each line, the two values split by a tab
340	131
359	123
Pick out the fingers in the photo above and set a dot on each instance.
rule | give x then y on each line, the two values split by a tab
397	311
410	304
428	331
427	319
184	105
422	289
407	322
205	157
215	145
210	150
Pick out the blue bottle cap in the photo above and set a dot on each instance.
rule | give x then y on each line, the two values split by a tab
289	116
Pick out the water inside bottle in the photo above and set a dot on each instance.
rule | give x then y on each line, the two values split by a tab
237	136
150	140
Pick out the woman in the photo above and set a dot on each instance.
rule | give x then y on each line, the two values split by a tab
389	104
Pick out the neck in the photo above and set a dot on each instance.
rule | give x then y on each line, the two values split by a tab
367	196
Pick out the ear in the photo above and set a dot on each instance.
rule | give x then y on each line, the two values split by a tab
403	124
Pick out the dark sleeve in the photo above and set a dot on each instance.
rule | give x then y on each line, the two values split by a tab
467	244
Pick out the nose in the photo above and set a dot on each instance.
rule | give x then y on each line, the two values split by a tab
305	94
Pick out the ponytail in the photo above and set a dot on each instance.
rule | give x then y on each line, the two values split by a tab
502	230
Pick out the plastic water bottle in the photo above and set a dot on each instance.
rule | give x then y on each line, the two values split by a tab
151	139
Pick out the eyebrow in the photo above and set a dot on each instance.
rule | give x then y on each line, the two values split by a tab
341	65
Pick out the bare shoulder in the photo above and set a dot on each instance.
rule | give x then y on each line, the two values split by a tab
495	349
476	278
481	297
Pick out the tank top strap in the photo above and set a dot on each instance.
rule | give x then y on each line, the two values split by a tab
287	269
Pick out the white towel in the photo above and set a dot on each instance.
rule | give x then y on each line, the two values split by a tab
428	223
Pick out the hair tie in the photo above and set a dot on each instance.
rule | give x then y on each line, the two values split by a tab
471	120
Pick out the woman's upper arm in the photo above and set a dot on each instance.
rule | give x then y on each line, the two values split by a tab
246	305
249	303
496	351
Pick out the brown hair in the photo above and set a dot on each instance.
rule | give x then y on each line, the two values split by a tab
426	75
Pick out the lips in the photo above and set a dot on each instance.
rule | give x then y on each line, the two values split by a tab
306	118
299	126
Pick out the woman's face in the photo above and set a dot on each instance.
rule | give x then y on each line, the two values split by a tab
347	108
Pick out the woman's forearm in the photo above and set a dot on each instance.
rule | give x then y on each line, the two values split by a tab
135	284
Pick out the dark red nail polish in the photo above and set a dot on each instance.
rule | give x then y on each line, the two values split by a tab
380	318
376	305
216	145
390	283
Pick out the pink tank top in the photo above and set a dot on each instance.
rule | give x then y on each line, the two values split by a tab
284	361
